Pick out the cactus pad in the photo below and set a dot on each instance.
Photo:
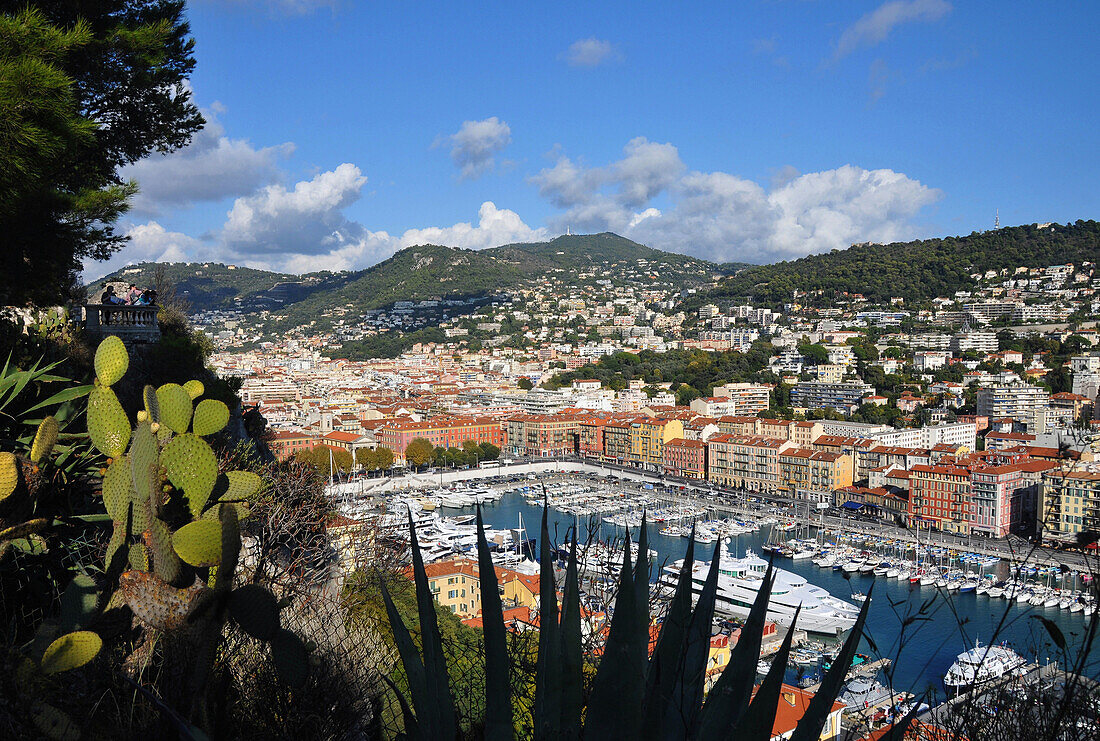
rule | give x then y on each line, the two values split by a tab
116	488
78	602
291	657
175	407
71	651
166	563
44	439
199	543
145	473
211	416
241	485
53	723
193	467
107	423
255	610
152	405
138	557
117	541
155	603
194	388
111	361
9	475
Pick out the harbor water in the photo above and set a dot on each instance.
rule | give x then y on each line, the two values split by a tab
920	629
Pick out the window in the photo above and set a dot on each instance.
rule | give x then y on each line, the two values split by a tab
452	594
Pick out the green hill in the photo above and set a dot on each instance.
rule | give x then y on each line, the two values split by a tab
415	274
215	286
916	271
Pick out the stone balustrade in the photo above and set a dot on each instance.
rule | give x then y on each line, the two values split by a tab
133	324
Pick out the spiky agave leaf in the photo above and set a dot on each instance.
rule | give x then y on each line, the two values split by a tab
758	720
682	712
572	659
619	686
817	712
668	655
498	700
442	715
414	670
729	697
547	713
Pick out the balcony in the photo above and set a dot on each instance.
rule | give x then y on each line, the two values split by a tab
132	324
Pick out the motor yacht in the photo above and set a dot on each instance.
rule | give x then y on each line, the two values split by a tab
739	580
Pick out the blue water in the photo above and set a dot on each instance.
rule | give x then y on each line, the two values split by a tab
936	627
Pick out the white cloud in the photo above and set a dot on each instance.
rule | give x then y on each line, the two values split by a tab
308	219
475	145
496	226
875	27
724	217
149	242
210	168
590	52
608	197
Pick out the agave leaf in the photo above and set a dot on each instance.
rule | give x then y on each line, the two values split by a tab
72	392
668	655
498	700
758	720
412	729
730	696
410	660
619	686
572	678
547	713
444	724
641	595
817	712
682	712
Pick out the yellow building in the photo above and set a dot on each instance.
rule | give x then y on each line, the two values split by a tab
814	470
1070	501
648	437
455	584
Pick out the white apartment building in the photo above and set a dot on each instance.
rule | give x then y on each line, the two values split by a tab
1086	375
954	433
750	397
1020	401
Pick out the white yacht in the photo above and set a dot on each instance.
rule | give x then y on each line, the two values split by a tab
739	580
982	664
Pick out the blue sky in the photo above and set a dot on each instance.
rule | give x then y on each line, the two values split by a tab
760	130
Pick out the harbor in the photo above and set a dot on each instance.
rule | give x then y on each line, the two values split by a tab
929	603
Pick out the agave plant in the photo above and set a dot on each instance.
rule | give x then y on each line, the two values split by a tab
633	695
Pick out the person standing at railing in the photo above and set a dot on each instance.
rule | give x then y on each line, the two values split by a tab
133	293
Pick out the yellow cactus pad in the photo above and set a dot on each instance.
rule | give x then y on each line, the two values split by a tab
71	651
111	361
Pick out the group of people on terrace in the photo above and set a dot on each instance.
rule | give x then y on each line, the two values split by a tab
134	296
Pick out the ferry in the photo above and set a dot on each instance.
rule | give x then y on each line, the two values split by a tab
982	664
739	580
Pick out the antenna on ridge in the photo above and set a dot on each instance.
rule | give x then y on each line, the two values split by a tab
997	219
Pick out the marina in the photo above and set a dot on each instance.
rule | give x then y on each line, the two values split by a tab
929	603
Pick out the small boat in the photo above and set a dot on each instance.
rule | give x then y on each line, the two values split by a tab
893	572
905	575
996	591
968	586
859	597
1052	600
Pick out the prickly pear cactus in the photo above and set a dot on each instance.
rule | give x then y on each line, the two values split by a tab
111	361
192	467
155	603
116	489
175	407
194	388
152	405
71	651
9	475
107	423
44	439
199	543
211	416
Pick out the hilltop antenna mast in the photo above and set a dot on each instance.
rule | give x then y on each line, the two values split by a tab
997	219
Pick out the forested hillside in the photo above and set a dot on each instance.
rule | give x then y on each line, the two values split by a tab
915	271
